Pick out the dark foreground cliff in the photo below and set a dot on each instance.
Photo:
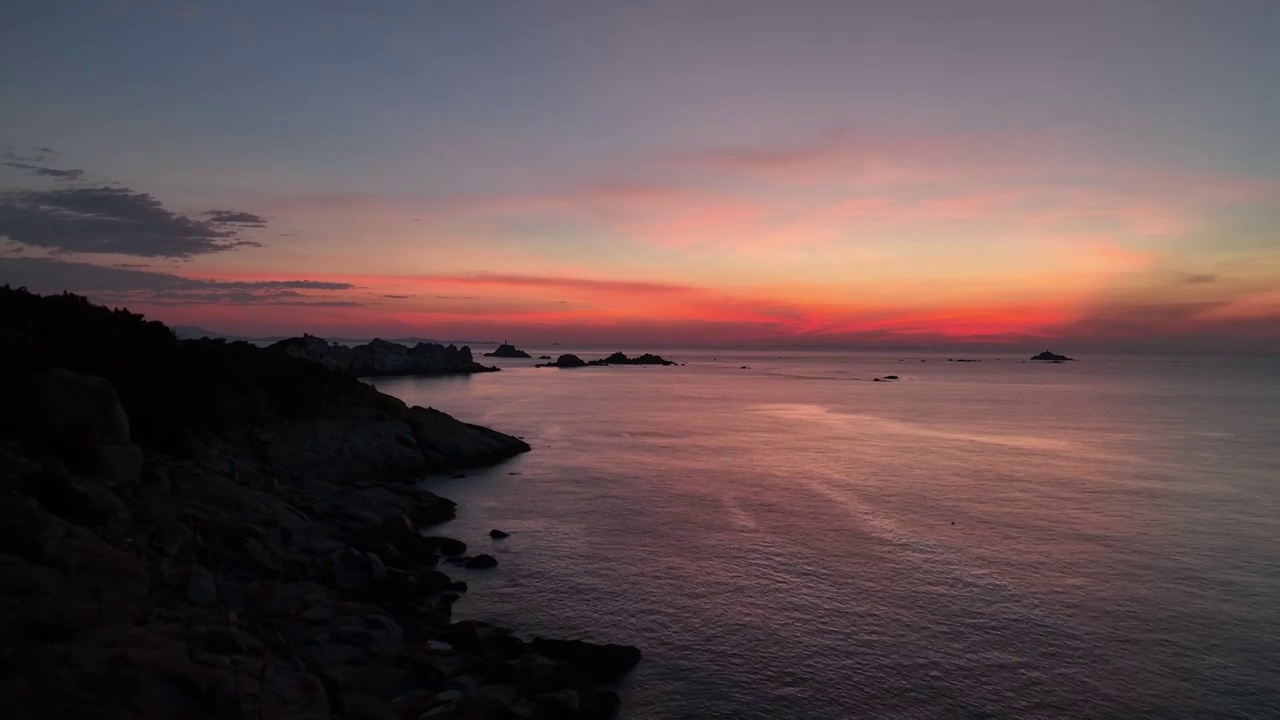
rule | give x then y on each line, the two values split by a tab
212	531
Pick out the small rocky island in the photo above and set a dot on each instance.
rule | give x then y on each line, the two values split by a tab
618	358
380	357
1047	356
508	351
204	529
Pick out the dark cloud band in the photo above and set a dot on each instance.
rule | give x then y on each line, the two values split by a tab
44	171
115	220
128	285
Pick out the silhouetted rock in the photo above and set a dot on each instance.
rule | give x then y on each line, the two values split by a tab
1051	357
609	662
573	361
890	377
481	562
621	359
566	361
498	534
380	357
507	351
544	357
447	546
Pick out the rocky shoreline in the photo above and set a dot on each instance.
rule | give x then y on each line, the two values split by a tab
233	538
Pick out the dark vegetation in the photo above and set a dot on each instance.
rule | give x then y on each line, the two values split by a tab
174	391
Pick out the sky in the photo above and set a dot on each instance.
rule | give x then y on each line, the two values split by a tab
1100	175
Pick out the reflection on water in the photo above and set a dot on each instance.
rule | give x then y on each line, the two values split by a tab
994	539
858	424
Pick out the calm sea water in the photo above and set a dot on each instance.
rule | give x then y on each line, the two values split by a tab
993	539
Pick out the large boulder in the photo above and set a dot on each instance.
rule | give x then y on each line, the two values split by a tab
609	662
481	562
76	417
73	407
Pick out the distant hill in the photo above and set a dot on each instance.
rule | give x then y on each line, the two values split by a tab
192	332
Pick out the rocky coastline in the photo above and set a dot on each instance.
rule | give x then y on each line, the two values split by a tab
380	358
201	529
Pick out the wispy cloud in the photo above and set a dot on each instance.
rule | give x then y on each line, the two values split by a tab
235	217
45	171
1199	278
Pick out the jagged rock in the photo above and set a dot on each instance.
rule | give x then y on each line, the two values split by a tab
621	359
573	361
380	357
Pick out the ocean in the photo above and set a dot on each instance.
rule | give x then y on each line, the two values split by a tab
991	539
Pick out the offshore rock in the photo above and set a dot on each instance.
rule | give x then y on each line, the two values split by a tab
507	351
481	562
1051	357
566	361
618	358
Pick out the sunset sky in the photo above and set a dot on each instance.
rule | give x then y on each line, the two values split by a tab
1100	175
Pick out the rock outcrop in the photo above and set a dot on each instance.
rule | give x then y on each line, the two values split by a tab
573	361
232	580
621	359
379	357
508	351
566	361
1051	357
